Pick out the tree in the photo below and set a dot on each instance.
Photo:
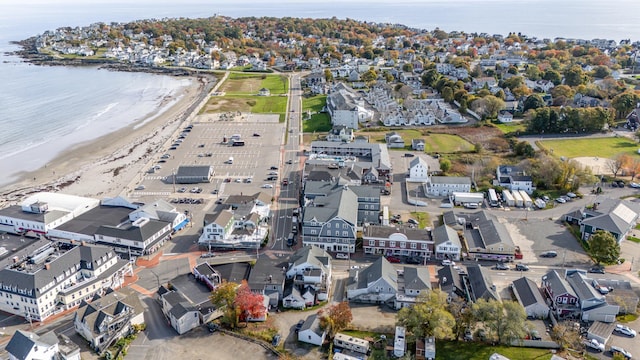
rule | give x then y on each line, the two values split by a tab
463	315
335	318
249	304
616	164
575	76
533	102
445	165
566	336
505	320
223	297
624	103
604	248
553	76
523	148
328	76
428	316
447	94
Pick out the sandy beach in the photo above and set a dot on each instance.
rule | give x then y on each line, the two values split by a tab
106	166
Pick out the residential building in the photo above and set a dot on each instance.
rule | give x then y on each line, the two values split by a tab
446	243
529	296
593	305
267	277
347	107
505	117
182	315
340	133
486	238
376	154
140	237
25	345
450	282
239	223
417	144
398	241
52	278
310	266
615	216
412	281
514	178
394	140
480	284
447	185
311	333
563	299
375	284
108	318
418	169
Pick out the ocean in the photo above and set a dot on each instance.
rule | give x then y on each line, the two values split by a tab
45	110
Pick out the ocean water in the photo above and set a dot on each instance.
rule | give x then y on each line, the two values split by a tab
44	110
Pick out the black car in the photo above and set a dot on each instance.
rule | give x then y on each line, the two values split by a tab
299	325
212	327
413	260
276	340
409	155
597	270
273	168
549	254
256	134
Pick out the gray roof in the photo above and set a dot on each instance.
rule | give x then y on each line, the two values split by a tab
89	222
378	153
103	308
220	218
159	210
558	284
380	268
527	292
444	233
267	270
451	180
16	212
481	283
487	230
450	218
233	272
581	285
22	342
180	306
449	279
418	160
36	278
342	203
312	255
376	231
342	98
312	323
417	278
193	170
141	233
612	215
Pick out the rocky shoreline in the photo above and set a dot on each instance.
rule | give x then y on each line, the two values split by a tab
30	54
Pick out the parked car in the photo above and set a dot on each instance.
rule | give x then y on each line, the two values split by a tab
535	335
594	345
468	336
393	259
634	185
409	155
208	255
447	262
601	289
625	330
140	187
299	325
256	134
416	260
549	254
275	340
213	327
522	267
289	161
273	168
342	256
618	350
214	191
572	195
182	189
597	270
267	186
502	266
545	198
413	221
561	200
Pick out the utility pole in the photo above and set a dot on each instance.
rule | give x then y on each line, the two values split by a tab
564	256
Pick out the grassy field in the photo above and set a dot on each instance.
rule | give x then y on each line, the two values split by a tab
319	122
433	143
250	83
255	104
601	147
456	350
516	127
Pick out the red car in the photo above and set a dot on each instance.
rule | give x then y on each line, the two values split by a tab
393	259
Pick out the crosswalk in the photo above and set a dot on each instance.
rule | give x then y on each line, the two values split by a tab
151	193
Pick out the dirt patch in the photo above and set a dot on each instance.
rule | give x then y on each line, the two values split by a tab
491	138
218	104
244	85
596	164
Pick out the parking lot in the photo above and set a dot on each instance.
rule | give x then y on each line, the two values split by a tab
204	144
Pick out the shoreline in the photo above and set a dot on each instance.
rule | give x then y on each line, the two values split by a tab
103	167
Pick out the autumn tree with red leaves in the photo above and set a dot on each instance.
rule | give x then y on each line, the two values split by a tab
251	305
335	318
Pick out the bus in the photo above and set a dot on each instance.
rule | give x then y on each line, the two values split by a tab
493	198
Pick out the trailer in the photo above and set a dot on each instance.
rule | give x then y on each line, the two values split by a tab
492	197
526	199
508	198
466	199
518	199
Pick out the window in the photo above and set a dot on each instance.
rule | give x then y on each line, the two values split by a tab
403	244
392	243
337	233
345	233
424	246
329	225
381	242
372	243
414	245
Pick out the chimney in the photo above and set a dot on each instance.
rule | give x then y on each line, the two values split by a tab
82	243
47	266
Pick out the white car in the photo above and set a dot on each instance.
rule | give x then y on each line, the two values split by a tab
593	344
634	185
625	330
618	350
561	200
571	195
140	187
267	186
446	262
342	256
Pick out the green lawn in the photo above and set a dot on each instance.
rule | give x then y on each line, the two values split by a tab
255	104
276	84
516	127
601	147
250	83
319	122
457	350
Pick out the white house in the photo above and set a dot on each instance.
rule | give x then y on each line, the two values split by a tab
447	185
418	169
25	345
311	333
412	281
179	311
377	283
530	297
505	117
447	243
